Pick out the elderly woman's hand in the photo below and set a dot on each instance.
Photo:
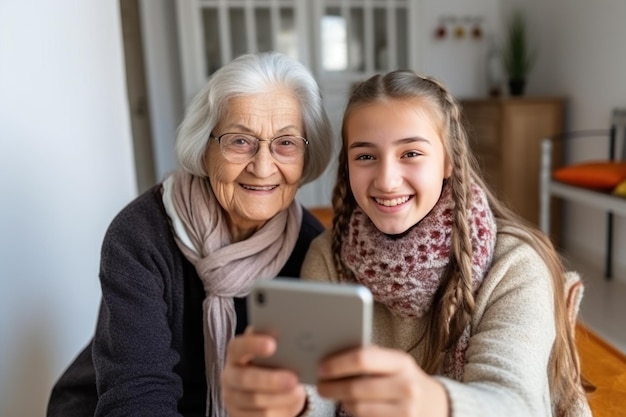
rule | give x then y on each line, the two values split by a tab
250	390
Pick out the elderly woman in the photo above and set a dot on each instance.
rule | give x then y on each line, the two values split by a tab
178	262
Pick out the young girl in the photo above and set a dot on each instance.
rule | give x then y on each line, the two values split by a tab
470	316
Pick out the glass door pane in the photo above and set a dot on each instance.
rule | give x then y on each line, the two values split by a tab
356	40
263	29
210	26
287	41
402	31
237	31
334	40
381	53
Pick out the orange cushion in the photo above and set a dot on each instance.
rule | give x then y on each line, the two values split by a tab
602	175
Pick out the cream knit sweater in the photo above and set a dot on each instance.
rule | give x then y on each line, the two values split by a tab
512	332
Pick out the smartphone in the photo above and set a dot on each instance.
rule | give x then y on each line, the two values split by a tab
310	320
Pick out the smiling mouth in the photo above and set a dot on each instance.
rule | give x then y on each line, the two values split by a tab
392	202
259	187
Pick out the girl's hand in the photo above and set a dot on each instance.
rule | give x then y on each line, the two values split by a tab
250	390
375	381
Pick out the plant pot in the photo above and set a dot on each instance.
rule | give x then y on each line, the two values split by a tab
517	86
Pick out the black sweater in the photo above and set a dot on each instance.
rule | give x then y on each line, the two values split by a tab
147	355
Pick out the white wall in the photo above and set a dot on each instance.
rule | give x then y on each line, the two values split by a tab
66	168
581	56
459	63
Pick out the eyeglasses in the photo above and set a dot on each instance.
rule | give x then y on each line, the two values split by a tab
241	147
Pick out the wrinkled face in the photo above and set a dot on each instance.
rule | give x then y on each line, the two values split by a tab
254	191
396	162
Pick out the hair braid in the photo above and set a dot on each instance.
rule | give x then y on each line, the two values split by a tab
343	205
458	298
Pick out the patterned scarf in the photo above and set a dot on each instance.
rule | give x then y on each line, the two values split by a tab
226	269
405	272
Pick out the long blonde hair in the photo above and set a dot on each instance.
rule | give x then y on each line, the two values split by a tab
454	301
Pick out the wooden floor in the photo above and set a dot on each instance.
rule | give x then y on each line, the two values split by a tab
605	368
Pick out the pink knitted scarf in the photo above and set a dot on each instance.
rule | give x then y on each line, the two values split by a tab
405	272
226	269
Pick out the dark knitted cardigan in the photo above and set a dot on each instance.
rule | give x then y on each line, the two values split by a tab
146	357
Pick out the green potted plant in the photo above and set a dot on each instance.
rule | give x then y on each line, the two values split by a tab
518	55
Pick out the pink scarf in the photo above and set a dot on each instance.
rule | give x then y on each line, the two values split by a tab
226	269
405	272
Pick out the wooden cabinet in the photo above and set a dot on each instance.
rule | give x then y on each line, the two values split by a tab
505	135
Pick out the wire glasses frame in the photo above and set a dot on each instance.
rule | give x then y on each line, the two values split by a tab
241	147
